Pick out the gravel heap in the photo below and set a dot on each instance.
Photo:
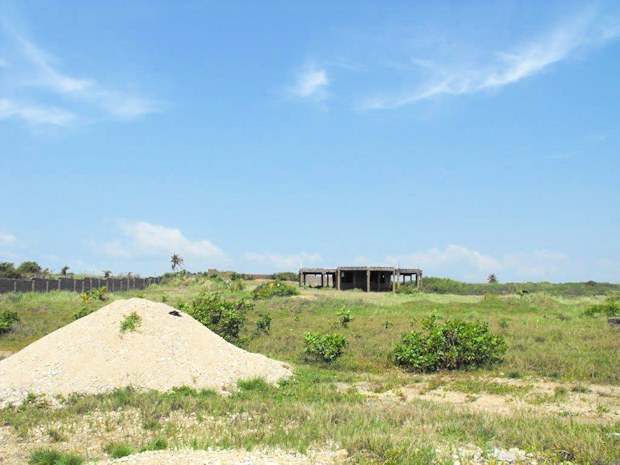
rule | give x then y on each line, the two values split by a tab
92	355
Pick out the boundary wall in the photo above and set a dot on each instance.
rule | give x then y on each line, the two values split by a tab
74	285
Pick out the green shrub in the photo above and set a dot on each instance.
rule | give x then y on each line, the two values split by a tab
263	324
451	345
54	457
286	276
95	294
273	289
324	347
82	312
611	307
344	316
7	319
116	450
156	444
223	317
131	322
7	270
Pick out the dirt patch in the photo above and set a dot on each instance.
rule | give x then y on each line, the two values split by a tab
586	403
167	349
231	457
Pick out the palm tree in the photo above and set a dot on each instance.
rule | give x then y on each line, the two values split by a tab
176	260
107	273
492	279
64	270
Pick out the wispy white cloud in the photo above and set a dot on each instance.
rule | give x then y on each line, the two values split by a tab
282	262
36	74
35	114
141	239
458	261
7	239
311	83
502	68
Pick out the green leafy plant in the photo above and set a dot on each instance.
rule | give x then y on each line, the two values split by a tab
263	324
223	317
273	289
8	318
611	307
95	294
451	345
82	312
131	322
324	347
344	316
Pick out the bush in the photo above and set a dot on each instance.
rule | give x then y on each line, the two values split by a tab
452	345
7	270
82	312
29	268
263	324
611	307
223	317
273	289
324	347
286	276
7	320
345	317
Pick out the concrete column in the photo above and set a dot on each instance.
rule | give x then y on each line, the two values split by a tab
299	278
393	282
32	283
367	280
419	280
338	274
322	279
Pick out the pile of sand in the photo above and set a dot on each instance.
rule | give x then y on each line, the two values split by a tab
92	355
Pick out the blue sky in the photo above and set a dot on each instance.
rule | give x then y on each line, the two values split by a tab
463	138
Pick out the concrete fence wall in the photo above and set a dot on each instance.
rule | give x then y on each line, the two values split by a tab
74	285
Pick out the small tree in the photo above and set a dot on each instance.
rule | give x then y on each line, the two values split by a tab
29	268
107	273
64	270
492	279
176	261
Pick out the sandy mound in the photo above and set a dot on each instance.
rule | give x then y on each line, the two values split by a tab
92	355
230	457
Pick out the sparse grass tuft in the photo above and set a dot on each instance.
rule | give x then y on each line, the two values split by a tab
53	457
116	450
131	322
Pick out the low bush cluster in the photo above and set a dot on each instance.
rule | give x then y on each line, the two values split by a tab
263	324
324	347
611	307
7	319
451	345
224	317
273	289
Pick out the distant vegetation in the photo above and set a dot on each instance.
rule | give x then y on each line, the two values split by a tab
450	286
611	307
274	289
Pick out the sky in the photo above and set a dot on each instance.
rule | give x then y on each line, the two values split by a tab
464	138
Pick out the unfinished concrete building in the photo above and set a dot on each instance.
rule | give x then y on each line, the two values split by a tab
365	278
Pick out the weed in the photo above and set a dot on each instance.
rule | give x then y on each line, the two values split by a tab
8	318
116	450
344	316
131	322
56	435
611	307
324	347
263	324
581	389
53	457
82	312
156	444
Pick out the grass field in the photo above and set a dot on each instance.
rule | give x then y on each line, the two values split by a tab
557	393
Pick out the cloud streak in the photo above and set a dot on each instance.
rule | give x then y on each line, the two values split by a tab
35	76
506	67
458	261
311	83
